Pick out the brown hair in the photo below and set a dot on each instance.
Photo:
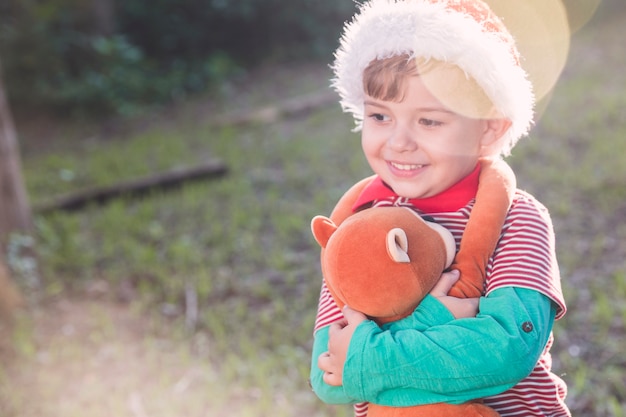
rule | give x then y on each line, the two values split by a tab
385	79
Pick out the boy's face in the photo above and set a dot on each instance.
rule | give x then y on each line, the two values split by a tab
418	146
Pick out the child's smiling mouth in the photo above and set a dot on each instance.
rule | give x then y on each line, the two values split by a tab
406	167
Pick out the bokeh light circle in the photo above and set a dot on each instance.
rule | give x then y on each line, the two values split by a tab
542	33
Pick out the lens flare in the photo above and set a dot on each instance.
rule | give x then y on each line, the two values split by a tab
579	12
542	33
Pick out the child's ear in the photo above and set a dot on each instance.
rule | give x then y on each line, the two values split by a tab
494	130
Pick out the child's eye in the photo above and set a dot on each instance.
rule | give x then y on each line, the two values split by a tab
379	117
430	122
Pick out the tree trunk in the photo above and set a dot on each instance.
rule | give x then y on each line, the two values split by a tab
15	213
10	297
104	15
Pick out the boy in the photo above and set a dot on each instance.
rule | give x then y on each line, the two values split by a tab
435	85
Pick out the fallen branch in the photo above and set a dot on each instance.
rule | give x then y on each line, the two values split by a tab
135	187
287	108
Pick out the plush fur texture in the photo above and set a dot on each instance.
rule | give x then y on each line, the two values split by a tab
383	261
461	32
482	233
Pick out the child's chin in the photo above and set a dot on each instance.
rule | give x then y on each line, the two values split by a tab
407	192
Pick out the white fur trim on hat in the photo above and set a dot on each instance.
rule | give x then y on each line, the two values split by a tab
441	31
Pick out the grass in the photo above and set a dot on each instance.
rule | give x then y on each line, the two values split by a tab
109	334
574	162
241	243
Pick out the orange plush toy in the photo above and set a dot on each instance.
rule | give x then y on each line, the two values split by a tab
384	261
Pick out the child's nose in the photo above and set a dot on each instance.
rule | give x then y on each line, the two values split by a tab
402	140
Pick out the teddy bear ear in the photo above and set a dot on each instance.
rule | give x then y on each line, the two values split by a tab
398	245
322	228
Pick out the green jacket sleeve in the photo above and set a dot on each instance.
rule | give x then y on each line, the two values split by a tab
453	362
327	393
431	313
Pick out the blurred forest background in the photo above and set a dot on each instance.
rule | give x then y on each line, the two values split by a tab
94	55
199	300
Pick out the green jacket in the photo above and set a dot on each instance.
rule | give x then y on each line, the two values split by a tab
423	358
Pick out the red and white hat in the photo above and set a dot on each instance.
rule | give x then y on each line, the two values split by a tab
465	33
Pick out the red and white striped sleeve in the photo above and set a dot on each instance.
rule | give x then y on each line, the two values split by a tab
525	256
327	310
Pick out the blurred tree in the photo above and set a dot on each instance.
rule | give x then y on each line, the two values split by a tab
10	297
104	15
110	55
15	213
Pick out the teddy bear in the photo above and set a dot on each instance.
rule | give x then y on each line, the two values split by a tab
410	253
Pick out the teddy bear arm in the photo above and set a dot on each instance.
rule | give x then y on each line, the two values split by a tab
343	208
495	193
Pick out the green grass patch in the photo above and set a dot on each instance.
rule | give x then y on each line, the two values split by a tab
240	244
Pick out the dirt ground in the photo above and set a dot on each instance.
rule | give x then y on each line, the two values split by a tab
89	356
106	349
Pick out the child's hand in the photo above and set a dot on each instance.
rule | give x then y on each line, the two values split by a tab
340	333
459	307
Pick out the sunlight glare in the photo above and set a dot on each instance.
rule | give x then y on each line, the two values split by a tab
542	33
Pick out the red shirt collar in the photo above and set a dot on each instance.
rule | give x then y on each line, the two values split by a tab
449	200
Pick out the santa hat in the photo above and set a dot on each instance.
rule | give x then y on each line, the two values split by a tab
461	32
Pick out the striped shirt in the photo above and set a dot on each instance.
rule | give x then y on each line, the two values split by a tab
525	257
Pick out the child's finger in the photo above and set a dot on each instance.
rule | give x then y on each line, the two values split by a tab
447	280
353	316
